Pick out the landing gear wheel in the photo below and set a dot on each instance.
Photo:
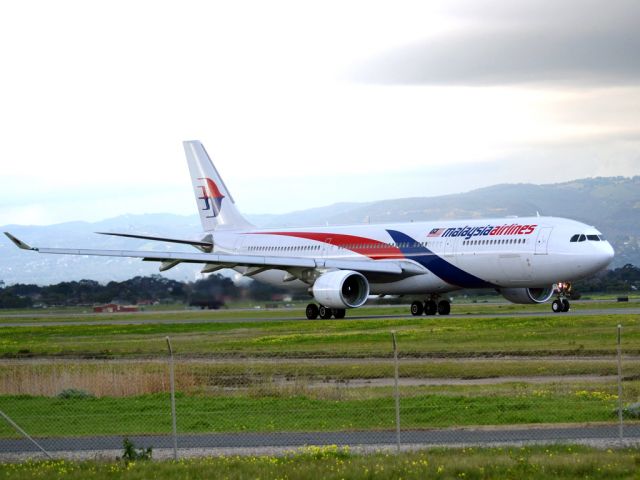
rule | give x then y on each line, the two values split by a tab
557	306
565	305
417	309
339	312
312	311
325	312
430	307
444	307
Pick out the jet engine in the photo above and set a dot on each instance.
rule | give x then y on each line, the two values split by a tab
527	295
341	289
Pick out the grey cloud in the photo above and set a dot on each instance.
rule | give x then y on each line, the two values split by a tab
578	42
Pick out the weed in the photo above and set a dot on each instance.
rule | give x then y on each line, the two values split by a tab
130	454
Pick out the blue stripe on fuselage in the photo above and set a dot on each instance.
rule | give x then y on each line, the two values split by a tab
432	262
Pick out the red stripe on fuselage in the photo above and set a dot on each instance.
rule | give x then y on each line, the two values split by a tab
373	249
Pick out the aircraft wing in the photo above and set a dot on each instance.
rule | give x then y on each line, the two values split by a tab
217	261
206	246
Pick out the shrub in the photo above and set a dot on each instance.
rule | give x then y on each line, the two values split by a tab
130	454
73	393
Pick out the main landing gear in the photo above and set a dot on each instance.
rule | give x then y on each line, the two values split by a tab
561	304
314	311
430	307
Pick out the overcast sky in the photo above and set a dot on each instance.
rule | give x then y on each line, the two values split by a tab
305	104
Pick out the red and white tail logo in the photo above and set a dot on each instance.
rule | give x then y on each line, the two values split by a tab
215	204
210	197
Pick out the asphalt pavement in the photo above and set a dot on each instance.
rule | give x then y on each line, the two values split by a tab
136	320
426	438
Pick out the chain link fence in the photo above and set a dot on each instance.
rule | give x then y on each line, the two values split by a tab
230	403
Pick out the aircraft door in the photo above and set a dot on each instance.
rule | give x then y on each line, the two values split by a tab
542	242
326	248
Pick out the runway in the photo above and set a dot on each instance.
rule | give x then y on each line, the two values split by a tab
605	434
135	320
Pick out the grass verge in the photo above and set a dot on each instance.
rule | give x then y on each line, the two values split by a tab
560	462
268	409
418	337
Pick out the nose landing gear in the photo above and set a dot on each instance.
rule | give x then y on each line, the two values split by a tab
561	304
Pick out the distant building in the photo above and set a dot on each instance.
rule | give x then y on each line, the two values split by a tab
147	302
114	308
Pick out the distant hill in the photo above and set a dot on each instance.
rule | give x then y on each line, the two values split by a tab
612	204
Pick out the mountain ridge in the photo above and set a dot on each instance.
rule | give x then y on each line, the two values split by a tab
612	204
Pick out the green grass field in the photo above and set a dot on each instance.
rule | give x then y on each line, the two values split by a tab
254	371
269	407
417	336
558	462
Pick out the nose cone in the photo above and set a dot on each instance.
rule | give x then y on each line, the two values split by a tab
604	256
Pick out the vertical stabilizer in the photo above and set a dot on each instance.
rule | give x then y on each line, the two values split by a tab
215	204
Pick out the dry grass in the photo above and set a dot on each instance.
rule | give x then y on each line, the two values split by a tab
108	378
100	378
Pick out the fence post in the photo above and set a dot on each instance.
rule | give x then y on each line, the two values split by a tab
173	401
396	390
620	426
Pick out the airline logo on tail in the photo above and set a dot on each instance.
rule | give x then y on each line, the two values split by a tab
211	196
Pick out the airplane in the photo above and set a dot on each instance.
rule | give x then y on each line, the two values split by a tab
527	260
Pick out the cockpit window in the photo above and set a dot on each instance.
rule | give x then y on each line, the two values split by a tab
581	237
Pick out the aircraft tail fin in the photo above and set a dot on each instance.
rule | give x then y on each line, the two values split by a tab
216	206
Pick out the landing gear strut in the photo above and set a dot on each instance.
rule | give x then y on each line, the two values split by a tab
430	307
314	311
561	304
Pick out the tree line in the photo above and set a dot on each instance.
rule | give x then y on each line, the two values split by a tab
625	279
212	291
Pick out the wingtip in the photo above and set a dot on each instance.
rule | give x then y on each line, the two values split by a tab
18	243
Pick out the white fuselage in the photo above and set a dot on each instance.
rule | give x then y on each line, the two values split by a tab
449	255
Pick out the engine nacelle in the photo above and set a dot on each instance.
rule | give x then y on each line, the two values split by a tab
527	295
341	289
